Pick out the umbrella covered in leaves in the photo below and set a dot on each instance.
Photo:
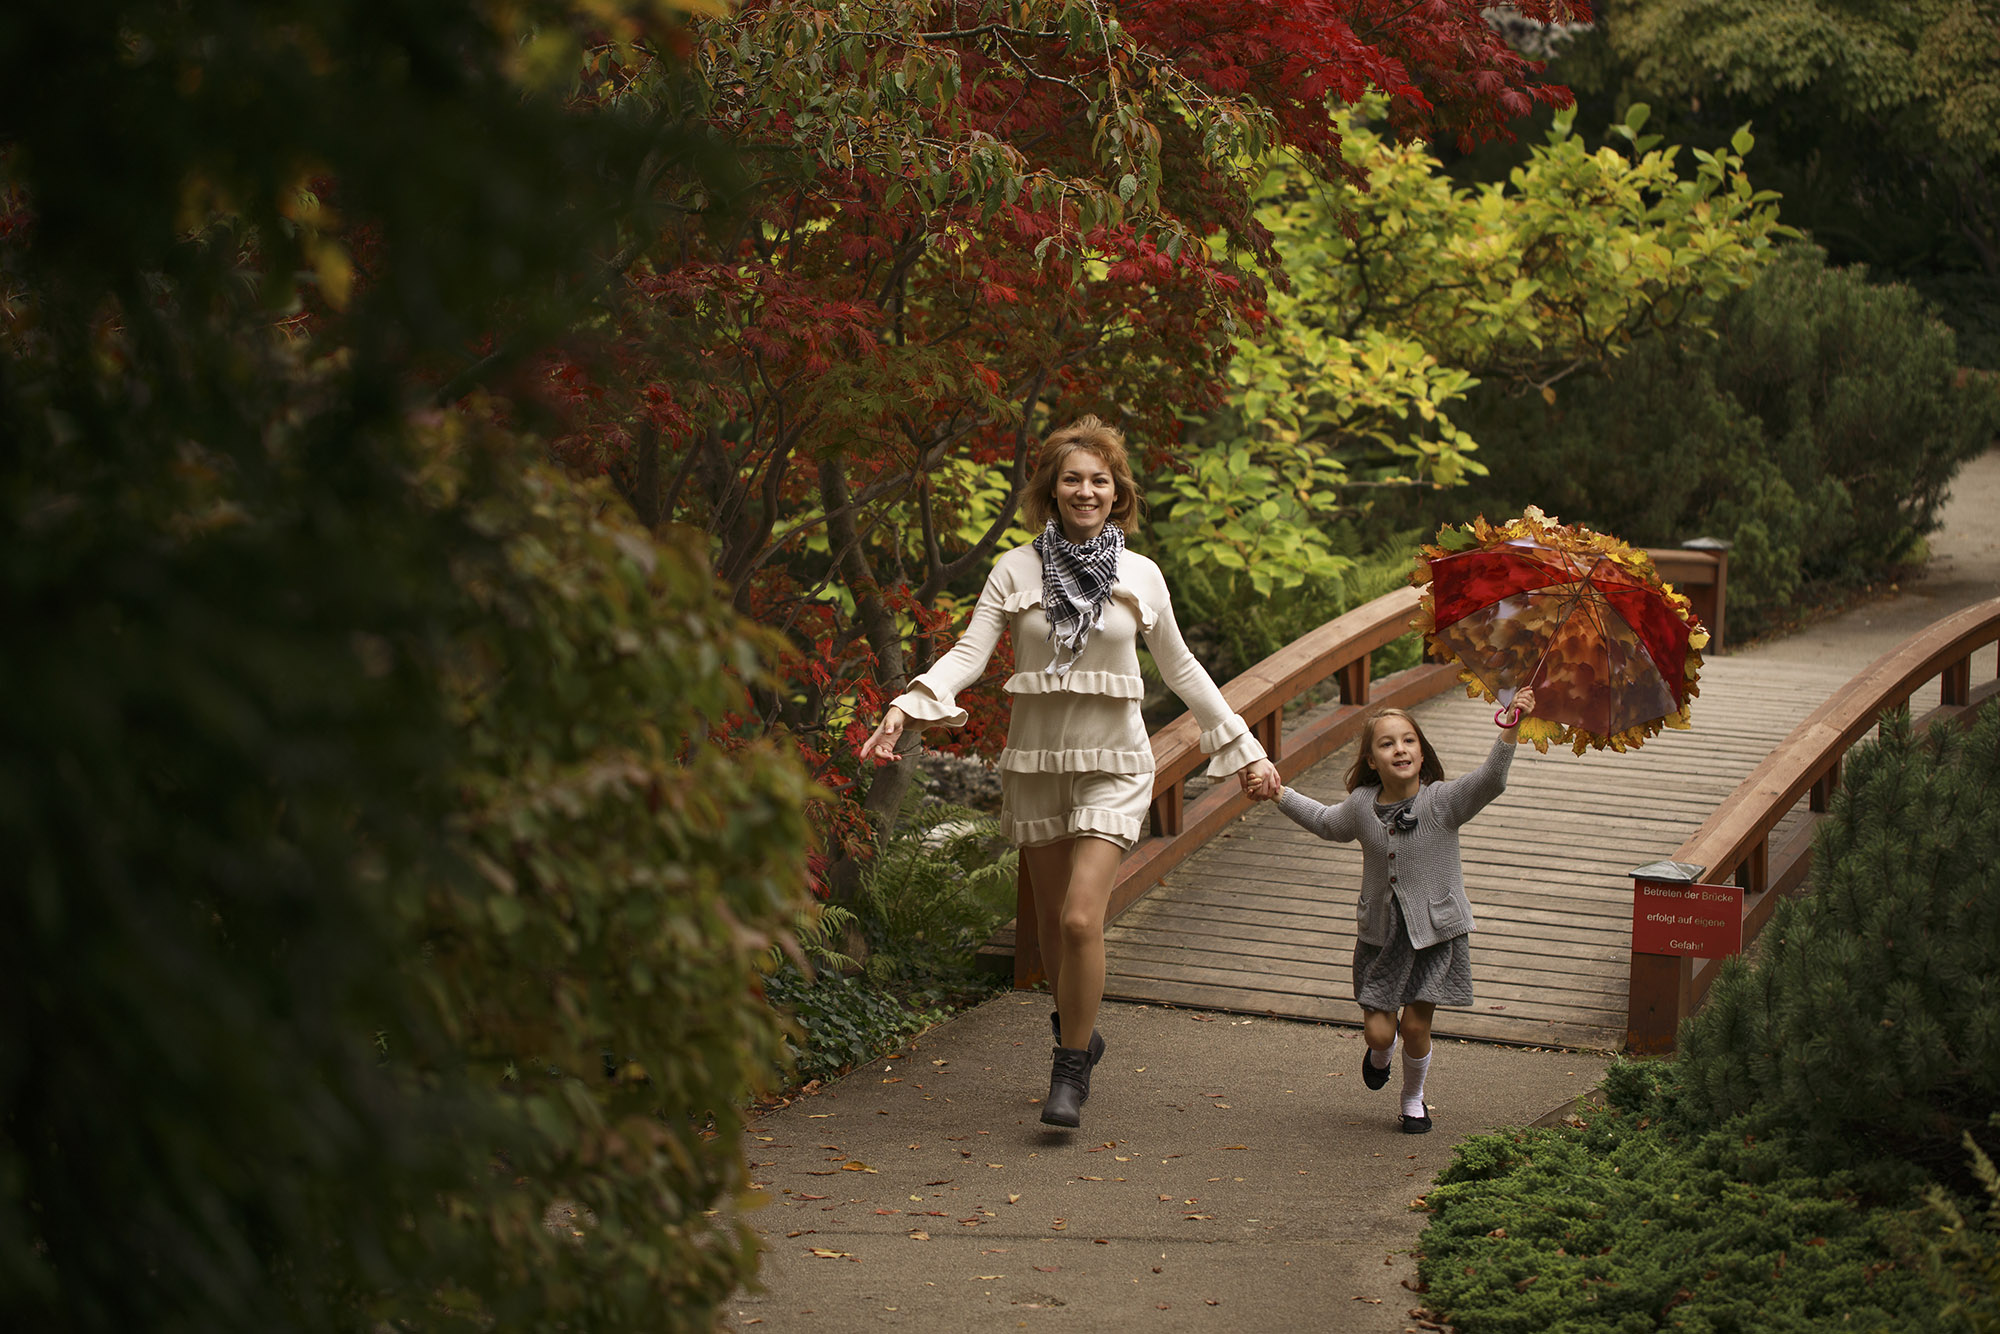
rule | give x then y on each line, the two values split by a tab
1611	650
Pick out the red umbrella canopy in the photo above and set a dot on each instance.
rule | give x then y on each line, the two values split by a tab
1611	651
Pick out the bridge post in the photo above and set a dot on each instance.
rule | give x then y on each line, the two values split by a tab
1661	988
1712	603
1820	799
1955	683
1354	681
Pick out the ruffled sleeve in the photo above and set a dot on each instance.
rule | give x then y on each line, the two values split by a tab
932	699
1225	738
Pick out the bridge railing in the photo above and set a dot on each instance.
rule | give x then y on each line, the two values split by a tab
1340	650
1735	843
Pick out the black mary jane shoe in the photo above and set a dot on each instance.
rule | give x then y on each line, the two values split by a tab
1414	1125
1372	1075
1069	1085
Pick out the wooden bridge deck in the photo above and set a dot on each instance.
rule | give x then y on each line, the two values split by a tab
1261	921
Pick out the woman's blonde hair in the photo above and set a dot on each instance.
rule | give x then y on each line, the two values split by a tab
1108	443
1364	774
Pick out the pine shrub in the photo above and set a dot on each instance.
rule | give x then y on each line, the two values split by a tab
1869	1027
1619	1228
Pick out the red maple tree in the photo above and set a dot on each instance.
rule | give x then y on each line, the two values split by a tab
962	221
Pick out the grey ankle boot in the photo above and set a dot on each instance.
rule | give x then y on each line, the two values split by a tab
1069	1085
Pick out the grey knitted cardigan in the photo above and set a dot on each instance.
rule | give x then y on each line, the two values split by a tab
1420	868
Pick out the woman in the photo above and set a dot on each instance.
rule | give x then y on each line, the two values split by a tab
1076	776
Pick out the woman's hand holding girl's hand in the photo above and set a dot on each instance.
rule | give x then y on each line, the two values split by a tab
881	743
1260	780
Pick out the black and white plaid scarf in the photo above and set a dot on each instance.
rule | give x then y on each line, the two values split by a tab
1076	582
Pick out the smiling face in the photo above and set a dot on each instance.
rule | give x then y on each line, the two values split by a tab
1396	754
1084	494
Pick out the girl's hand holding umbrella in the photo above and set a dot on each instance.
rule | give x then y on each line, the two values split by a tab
881	745
1523	705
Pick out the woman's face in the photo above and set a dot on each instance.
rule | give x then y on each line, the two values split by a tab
1085	492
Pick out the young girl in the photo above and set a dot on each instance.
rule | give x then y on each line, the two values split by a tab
1412	951
1077	772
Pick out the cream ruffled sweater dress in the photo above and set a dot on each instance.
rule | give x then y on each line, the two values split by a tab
1077	758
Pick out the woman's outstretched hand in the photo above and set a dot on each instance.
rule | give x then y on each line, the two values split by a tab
1260	780
882	742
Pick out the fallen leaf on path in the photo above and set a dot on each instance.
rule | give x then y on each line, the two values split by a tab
825	1254
1047	1269
1227	1147
814	1197
1372	1301
920	1235
1013	1199
856	1165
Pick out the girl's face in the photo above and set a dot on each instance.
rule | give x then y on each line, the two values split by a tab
1395	751
1085	492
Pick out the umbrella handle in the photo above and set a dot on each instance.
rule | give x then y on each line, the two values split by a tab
1501	719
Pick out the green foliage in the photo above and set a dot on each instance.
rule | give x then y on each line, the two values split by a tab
844	1021
1234	628
943	881
1403	297
1817	427
1869	1028
1874	121
1959	1255
629	885
374	892
1619	1229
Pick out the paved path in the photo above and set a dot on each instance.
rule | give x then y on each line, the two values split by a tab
1231	1172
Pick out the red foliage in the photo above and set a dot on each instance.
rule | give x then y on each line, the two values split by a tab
914	280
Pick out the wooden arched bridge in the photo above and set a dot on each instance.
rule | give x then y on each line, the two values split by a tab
1228	905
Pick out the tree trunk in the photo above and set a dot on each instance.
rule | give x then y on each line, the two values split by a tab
890	783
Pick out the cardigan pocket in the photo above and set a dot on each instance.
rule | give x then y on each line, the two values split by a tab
1448	916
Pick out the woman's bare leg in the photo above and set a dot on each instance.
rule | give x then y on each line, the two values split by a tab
1076	963
1048	876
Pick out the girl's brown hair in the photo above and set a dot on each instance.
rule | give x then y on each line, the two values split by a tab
1363	774
1108	443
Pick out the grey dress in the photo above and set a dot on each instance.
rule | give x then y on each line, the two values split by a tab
1388	977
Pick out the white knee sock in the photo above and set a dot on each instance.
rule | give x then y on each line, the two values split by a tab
1414	1069
1380	1059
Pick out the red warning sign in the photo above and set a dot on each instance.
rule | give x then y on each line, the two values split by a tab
1705	921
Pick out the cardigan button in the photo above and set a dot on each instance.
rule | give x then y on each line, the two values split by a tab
1392	879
